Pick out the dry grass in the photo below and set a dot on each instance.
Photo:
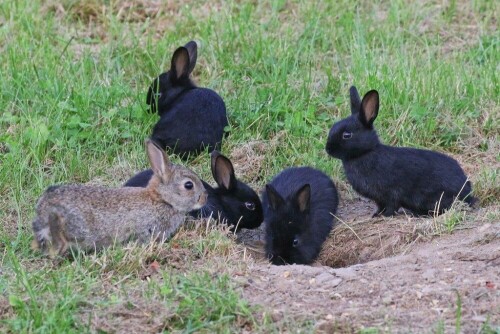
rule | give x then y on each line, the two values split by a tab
95	12
248	160
363	239
138	37
135	316
6	310
368	240
358	238
9	225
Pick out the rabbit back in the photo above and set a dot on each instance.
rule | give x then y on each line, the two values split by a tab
95	217
195	121
419	180
191	119
394	177
140	179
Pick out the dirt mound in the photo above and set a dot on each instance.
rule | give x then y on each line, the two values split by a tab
447	283
398	274
357	237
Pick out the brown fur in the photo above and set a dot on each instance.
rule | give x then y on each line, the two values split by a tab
95	217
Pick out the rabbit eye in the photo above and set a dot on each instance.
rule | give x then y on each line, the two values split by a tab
188	185
250	205
295	242
346	135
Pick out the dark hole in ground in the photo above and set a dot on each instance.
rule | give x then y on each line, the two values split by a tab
357	237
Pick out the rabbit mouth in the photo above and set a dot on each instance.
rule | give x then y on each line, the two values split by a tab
331	149
202	200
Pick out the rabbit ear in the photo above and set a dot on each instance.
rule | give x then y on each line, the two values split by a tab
153	89
222	171
192	49
180	64
157	158
369	108
302	198
275	199
355	100
149	98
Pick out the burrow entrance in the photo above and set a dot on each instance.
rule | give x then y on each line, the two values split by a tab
357	237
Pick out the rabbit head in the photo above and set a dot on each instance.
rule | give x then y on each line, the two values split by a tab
173	184
232	202
286	224
169	85
355	135
238	204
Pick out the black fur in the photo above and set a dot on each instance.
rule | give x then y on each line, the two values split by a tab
394	177
141	179
298	207
191	118
232	202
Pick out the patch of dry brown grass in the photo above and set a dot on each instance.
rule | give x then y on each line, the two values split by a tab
87	25
372	239
6	310
479	156
9	223
249	159
359	238
465	25
94	11
137	315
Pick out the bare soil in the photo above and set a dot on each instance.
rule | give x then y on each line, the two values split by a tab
399	275
392	274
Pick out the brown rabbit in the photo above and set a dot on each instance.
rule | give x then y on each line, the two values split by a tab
91	218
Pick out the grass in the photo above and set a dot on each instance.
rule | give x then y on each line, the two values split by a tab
458	314
72	99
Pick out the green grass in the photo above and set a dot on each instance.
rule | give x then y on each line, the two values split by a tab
59	298
72	100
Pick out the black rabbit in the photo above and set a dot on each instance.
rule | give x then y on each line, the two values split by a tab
232	202
191	118
419	180
299	204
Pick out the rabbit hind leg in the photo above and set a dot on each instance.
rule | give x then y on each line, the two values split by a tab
385	209
59	242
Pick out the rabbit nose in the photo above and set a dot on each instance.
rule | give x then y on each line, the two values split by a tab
203	198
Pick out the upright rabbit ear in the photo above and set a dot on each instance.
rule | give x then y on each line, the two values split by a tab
355	100
275	199
157	158
180	64
302	198
222	171
153	89
369	108
192	49
149	98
